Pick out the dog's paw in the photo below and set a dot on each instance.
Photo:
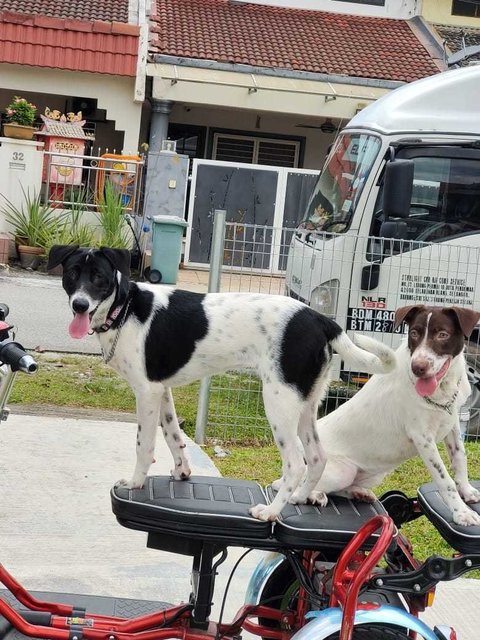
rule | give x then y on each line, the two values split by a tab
466	518
470	495
263	512
362	495
319	498
181	473
130	484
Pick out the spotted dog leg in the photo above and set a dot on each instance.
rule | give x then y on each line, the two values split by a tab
458	460
428	451
173	436
314	456
148	411
283	407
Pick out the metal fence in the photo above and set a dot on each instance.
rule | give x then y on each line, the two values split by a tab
70	179
359	281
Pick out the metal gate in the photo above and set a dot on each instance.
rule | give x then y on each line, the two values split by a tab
259	199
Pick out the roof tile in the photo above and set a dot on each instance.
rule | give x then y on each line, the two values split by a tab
457	37
108	10
297	39
76	46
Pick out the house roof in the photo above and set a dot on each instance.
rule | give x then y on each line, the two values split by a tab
455	37
108	10
268	36
63	43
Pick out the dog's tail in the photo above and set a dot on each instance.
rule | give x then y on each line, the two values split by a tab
367	354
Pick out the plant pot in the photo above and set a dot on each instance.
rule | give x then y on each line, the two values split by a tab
18	131
30	257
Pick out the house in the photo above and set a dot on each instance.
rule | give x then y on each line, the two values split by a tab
269	84
457	23
76	56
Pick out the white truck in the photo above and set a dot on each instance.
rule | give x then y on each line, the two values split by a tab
394	218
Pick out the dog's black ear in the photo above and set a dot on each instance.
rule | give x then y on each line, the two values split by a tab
59	253
405	314
467	319
118	258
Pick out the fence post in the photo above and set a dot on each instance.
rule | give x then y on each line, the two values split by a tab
214	278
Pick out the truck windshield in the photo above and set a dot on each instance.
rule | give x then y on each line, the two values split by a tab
340	183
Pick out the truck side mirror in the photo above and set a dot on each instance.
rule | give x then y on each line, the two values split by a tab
397	188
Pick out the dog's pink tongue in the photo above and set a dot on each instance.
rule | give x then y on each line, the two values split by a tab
79	326
426	386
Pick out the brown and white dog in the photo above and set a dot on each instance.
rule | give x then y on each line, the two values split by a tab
404	413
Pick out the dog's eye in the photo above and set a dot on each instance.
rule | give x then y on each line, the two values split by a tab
97	278
443	335
413	333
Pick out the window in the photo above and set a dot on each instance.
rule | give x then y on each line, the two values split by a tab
466	8
190	139
236	148
445	200
341	183
377	3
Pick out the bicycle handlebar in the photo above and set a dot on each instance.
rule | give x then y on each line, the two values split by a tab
14	355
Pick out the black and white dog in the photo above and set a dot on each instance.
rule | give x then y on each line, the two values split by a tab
158	337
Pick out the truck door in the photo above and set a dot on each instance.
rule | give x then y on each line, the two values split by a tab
435	257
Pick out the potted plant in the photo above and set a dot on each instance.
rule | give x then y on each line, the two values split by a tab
32	222
19	119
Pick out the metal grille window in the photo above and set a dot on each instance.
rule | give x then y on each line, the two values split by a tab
235	148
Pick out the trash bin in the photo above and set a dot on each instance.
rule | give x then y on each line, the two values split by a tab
167	234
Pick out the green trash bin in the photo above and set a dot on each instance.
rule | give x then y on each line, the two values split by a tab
167	234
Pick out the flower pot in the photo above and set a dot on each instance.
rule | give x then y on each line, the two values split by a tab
19	131
30	257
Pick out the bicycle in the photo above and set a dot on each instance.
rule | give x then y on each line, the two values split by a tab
344	572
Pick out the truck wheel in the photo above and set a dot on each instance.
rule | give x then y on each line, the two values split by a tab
472	356
374	632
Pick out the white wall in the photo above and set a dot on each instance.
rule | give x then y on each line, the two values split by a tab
114	93
393	8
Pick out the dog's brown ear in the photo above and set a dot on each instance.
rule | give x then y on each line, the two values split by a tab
59	253
467	319
405	314
118	258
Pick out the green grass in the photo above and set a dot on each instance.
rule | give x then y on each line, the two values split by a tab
86	382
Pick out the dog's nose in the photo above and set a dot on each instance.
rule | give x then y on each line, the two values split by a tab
80	305
420	367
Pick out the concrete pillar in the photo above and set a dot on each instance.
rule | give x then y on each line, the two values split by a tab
161	109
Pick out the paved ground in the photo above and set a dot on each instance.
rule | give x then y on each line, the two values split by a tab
56	528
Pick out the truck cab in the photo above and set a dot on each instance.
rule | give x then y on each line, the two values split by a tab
394	218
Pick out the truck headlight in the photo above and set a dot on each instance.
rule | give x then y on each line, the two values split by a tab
324	298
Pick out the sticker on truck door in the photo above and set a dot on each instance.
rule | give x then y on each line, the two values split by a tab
435	290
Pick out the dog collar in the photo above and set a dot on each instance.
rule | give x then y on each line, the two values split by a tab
109	321
448	405
108	356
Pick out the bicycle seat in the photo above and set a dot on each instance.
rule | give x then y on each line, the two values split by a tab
178	514
463	539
